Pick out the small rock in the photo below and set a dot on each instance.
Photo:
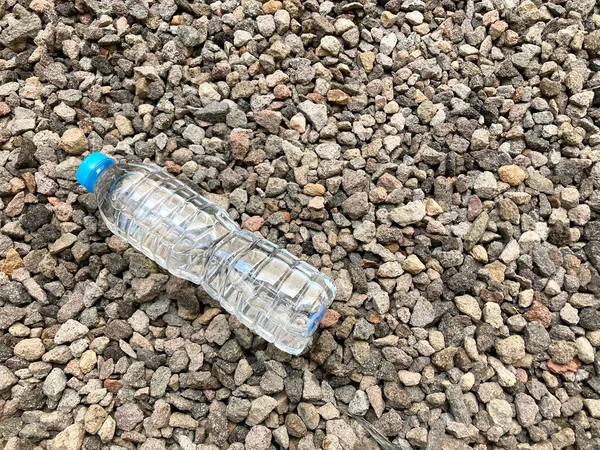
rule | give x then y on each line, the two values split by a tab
423	313
94	418
270	120
70	331
7	378
71	438
123	124
218	330
413	265
12	262
359	404
338	97
468	305
63	243
511	349
512	174
74	141
54	384
500	413
127	416
260	409
30	349
317	114
411	213
259	437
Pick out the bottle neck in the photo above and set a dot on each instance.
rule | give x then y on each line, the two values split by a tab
91	168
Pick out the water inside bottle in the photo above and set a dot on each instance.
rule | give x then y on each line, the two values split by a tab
269	290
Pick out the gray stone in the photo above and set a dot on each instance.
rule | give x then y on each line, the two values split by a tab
260	409
127	416
258	438
411	213
54	384
359	404
500	413
527	410
423	313
476	231
536	338
7	378
218	330
24	25
70	331
511	349
159	381
356	206
317	114
457	403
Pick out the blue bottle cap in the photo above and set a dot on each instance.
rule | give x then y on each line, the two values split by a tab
90	169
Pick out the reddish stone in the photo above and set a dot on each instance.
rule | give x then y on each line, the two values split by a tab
270	120
240	144
317	98
540	313
286	216
16	205
491	296
389	182
117	244
9	408
173	167
112	386
254	223
522	375
4	109
474	207
380	103
497	29
330	318
563	368
72	368
281	91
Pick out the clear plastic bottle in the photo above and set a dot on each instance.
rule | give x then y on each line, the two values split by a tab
270	291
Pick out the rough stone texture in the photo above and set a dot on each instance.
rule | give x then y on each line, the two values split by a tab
439	160
74	141
71	438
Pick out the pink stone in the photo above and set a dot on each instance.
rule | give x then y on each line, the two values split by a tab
254	223
522	375
173	167
540	313
563	368
330	318
117	244
40	5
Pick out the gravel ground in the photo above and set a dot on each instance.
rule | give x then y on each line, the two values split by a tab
439	159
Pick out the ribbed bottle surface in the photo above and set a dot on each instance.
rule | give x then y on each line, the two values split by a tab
270	291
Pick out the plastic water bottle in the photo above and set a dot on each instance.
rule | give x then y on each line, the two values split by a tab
270	291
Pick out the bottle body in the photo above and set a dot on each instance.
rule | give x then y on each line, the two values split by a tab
270	291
